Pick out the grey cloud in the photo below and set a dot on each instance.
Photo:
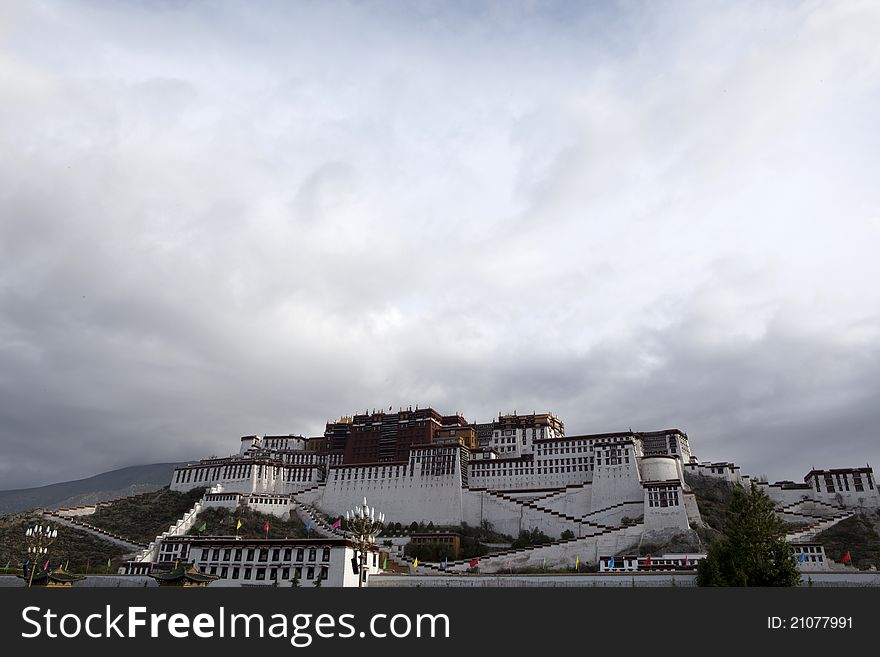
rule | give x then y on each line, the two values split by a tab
256	221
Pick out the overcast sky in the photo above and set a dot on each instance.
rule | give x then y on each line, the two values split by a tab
227	218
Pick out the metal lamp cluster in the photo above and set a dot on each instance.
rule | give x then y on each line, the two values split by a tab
364	525
39	539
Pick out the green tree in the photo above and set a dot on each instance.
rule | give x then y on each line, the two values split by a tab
754	551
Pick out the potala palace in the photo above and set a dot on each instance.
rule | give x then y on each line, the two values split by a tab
608	493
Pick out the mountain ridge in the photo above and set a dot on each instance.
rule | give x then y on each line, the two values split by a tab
101	487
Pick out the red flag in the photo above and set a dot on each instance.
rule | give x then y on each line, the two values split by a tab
266	527
336	524
648	560
474	563
46	565
846	558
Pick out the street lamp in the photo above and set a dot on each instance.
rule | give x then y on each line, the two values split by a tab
364	526
39	539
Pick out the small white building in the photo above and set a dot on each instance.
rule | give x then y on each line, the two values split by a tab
265	561
650	563
810	557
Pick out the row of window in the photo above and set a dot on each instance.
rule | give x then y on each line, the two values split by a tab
663	497
246	572
230	554
843	482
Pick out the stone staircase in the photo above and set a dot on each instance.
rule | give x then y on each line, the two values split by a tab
813	523
181	527
588	527
310	515
102	534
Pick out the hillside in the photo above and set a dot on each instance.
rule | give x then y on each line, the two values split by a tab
857	535
99	488
83	551
221	522
142	517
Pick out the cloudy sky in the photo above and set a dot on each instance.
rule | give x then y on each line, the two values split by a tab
227	218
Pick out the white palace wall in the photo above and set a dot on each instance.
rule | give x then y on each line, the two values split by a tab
613	484
405	499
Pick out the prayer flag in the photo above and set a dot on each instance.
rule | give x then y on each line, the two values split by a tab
846	557
416	562
336	524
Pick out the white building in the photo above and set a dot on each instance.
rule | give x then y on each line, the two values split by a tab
265	562
519	472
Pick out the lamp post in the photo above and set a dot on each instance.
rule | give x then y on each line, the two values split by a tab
364	526
39	539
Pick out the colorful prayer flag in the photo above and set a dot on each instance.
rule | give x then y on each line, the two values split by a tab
385	564
846	557
648	560
474	563
802	557
577	561
108	562
308	525
203	527
416	562
611	562
336	524
266	527
445	563
46	565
